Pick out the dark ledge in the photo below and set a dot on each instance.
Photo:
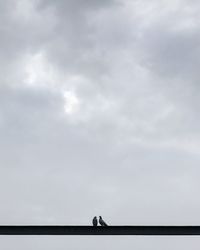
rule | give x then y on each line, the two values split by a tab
89	230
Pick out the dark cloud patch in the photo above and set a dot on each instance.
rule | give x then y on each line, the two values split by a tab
77	6
175	53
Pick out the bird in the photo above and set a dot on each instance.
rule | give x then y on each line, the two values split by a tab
102	222
95	221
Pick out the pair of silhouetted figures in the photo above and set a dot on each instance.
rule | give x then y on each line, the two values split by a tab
101	222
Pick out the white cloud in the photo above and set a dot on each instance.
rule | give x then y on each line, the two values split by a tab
71	102
38	71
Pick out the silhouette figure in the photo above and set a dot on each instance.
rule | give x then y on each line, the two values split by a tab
102	222
95	221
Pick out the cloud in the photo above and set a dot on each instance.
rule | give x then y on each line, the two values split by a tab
99	107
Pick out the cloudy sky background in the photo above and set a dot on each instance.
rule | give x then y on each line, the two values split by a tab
99	115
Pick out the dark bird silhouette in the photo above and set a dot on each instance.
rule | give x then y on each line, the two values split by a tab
95	221
102	222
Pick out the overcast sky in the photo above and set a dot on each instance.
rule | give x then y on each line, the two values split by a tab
99	115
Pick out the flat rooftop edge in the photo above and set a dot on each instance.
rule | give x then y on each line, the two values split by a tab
90	230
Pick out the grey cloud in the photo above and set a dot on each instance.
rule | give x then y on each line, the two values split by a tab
130	151
23	32
75	47
78	6
172	53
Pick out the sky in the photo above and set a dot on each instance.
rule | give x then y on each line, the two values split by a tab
99	115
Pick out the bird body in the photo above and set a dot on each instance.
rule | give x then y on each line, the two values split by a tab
102	222
95	221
